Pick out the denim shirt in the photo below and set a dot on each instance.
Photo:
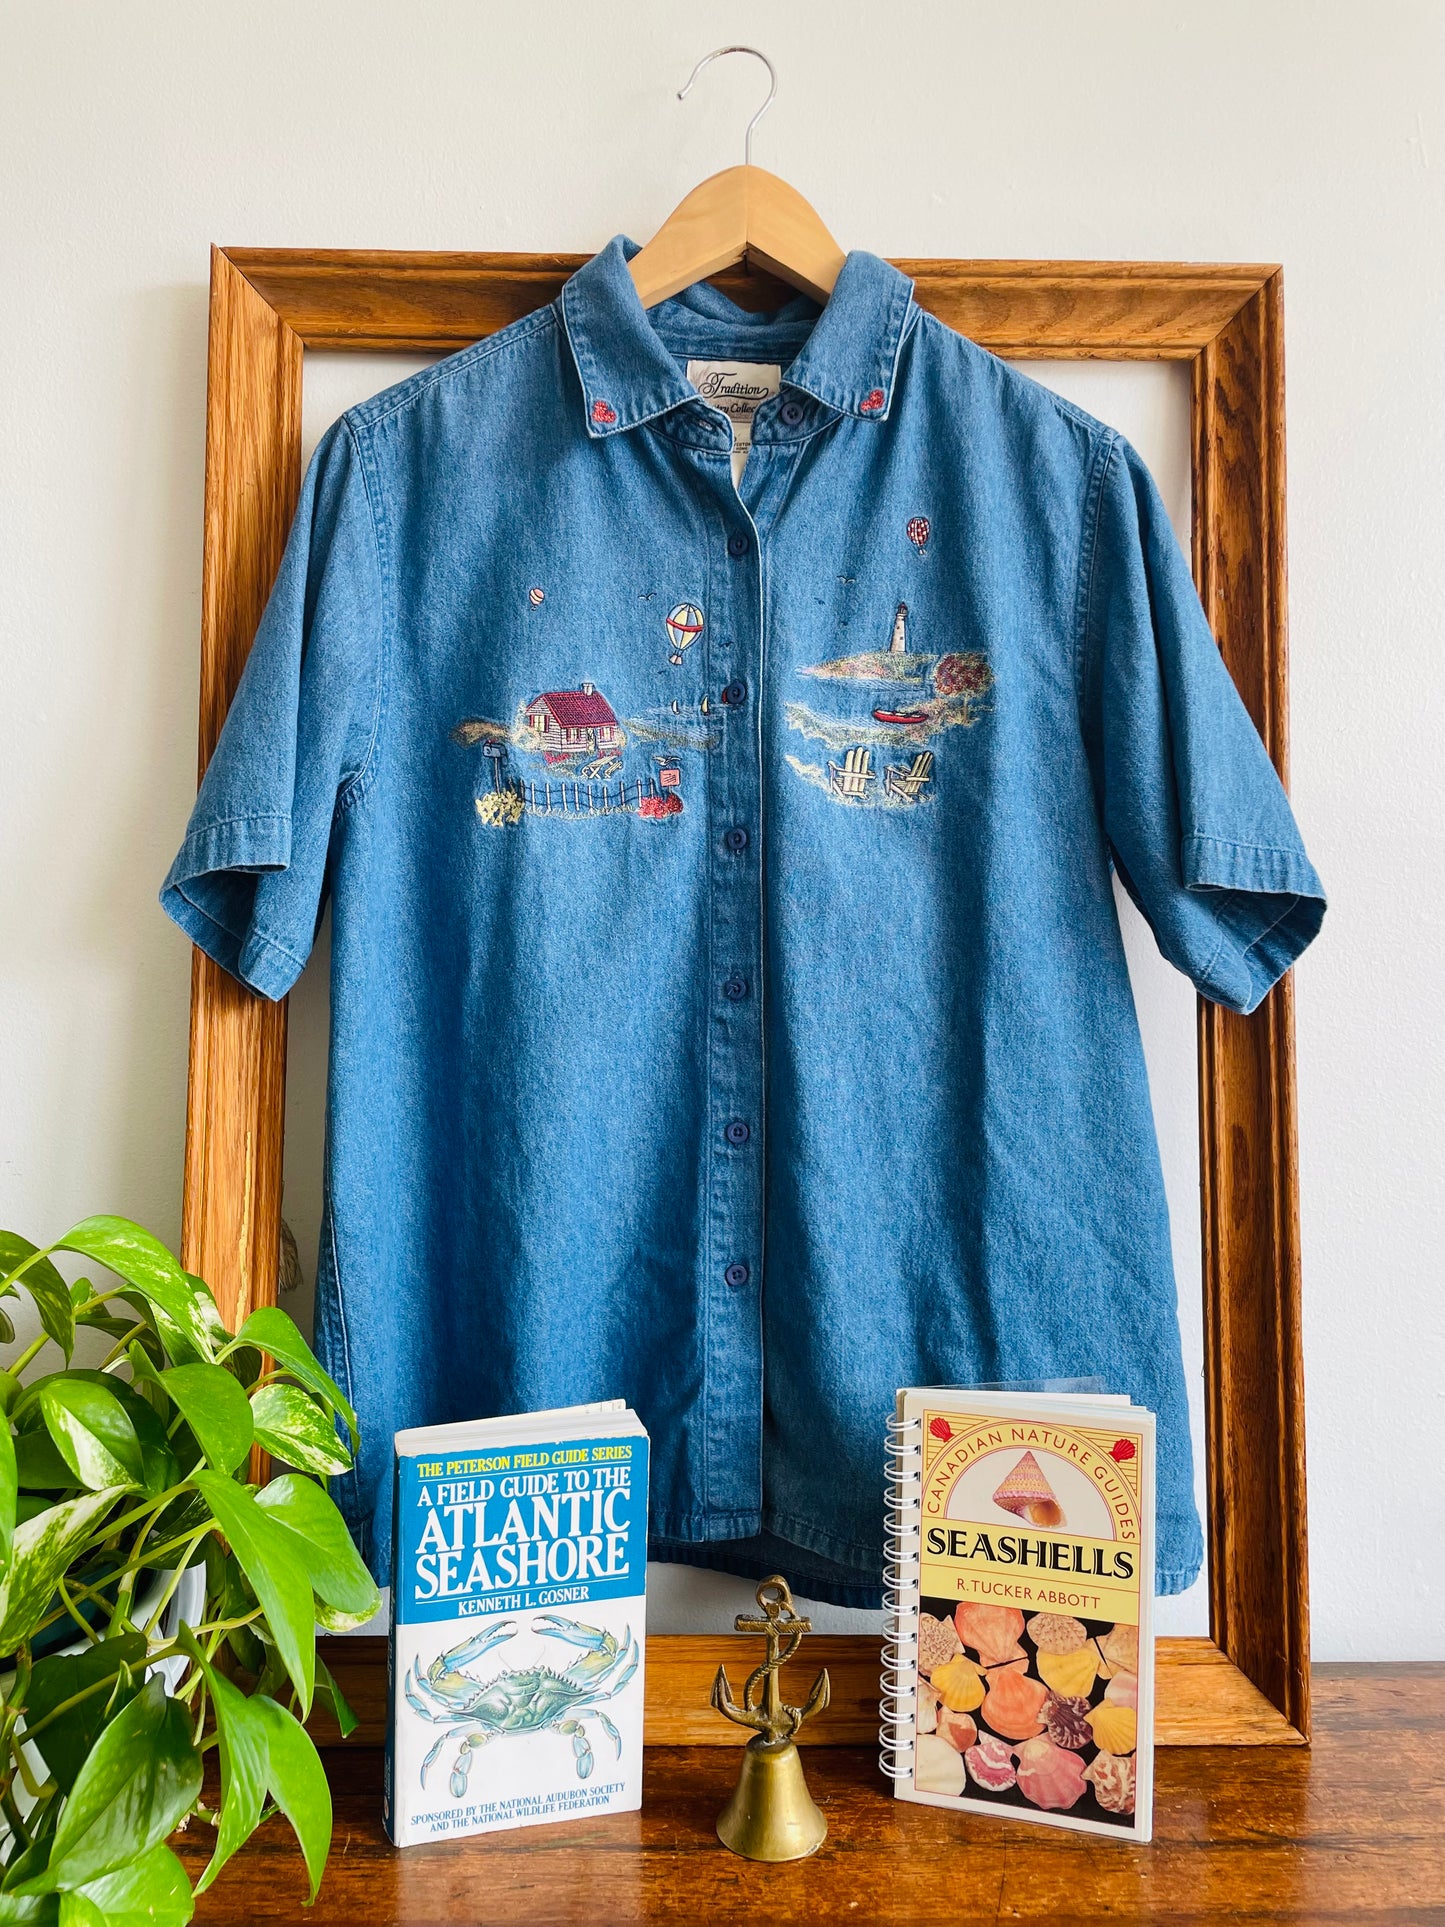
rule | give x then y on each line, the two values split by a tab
729	1010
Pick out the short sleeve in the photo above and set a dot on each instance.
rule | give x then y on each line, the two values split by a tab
247	885
1198	824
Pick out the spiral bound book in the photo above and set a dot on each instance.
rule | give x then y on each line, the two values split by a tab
1019	1657
515	1661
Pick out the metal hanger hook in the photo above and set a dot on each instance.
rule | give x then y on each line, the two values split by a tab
717	54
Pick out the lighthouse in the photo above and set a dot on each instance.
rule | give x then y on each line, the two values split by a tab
898	641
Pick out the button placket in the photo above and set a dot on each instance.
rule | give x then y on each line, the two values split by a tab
732	1326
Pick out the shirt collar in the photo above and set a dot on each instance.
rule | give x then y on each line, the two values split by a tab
629	374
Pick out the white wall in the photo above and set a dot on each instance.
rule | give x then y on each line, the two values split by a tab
131	137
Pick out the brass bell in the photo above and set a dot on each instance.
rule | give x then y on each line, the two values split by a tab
771	1815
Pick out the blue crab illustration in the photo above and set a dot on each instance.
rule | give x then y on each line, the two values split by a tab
533	1700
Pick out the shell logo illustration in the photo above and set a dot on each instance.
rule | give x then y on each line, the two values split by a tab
684	626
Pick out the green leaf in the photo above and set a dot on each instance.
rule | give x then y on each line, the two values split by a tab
28	1910
208	1312
162	1341
158	1460
186	1513
27	1864
216	1409
38	1466
244	1767
7	1329
66	1742
298	1784
263	1748
79	1910
152	1891
103	1320
248	1648
321	1541
278	1577
293	1427
142	1260
42	1550
93	1432
271	1330
142	1777
9	1493
327	1688
45	1285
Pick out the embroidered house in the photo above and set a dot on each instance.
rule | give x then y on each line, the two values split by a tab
572	725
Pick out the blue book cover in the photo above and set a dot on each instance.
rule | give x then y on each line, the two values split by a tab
517	1622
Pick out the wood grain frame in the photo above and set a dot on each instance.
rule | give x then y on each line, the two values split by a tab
1248	1683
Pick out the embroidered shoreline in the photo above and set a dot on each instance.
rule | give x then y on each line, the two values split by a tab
960	681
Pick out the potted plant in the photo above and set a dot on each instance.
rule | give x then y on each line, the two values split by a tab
155	1604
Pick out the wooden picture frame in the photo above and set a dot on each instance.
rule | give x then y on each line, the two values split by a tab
1248	1683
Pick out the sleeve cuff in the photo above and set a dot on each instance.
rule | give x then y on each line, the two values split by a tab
210	893
1271	907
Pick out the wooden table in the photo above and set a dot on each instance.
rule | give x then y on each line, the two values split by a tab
1350	1830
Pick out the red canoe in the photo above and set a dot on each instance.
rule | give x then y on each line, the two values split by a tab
900	716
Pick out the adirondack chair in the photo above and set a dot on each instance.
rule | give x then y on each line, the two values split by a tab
908	783
855	774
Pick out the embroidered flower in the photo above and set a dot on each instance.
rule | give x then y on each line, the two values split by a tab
872	401
604	412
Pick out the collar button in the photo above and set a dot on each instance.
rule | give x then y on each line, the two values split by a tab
791	413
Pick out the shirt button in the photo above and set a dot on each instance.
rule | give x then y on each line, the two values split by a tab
735	989
735	693
791	413
738	544
737	841
736	1275
737	1132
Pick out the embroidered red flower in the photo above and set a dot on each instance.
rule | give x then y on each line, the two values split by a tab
1121	1449
873	401
941	1429
604	412
660	806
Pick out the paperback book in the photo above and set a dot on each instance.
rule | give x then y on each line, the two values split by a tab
515	1662
1019	1673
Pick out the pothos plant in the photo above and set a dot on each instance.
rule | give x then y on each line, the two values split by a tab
116	1483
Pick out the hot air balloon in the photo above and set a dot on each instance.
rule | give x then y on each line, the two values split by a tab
684	626
917	533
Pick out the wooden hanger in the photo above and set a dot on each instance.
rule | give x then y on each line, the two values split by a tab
742	213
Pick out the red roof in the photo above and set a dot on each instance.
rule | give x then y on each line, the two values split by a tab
577	708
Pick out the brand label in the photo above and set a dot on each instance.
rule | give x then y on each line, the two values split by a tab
738	389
